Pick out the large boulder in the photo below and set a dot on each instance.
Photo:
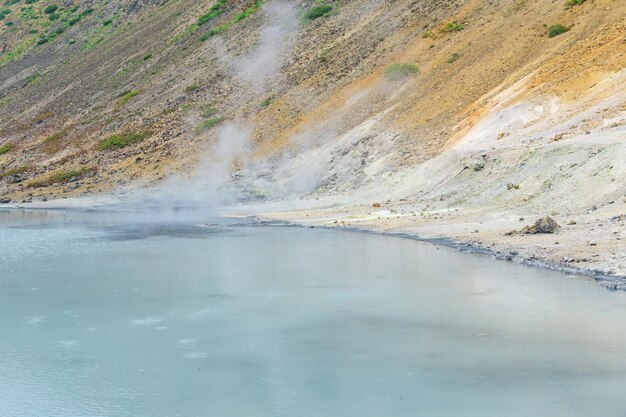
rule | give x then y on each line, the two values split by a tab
546	225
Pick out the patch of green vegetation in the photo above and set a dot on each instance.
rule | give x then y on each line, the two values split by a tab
400	71
427	34
209	34
51	9
192	88
323	55
33	79
92	42
11	2
14	171
207	124
247	12
318	11
453	27
147	57
122	140
31	1
127	96
216	10
453	58
107	22
265	103
6	148
239	17
556	30
574	2
61	177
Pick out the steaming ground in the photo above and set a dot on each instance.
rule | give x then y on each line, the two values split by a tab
470	149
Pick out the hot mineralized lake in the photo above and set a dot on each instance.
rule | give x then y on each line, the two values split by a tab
100	319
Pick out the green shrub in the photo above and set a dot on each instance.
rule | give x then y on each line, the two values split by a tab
427	34
318	11
453	27
107	22
265	103
86	12
122	140
31	1
453	58
6	148
147	57
73	20
127	96
400	71
556	30
574	2
51	9
41	41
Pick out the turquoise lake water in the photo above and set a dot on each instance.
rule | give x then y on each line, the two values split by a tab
101	319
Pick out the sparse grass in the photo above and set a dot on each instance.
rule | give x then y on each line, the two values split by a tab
453	58
207	124
122	140
192	88
211	15
400	71
6	148
247	12
14	171
60	177
127	96
317	12
427	34
52	143
453	27
556	30
209	111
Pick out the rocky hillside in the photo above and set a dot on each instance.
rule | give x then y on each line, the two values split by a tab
322	97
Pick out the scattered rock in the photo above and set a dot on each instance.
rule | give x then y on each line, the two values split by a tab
571	223
5	200
376	205
511	186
